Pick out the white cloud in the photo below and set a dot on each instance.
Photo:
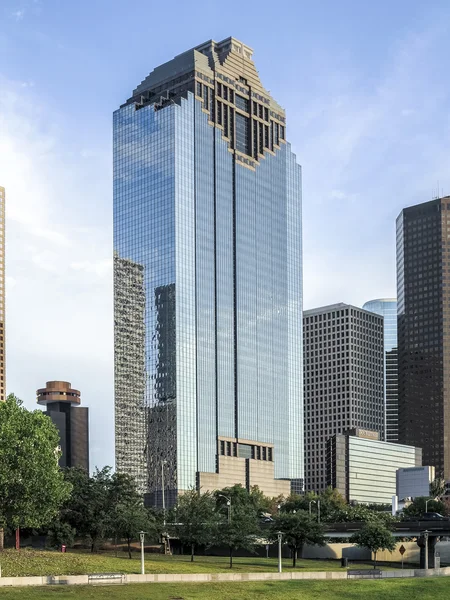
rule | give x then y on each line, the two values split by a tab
46	260
10	283
56	237
361	148
101	268
338	195
59	288
18	14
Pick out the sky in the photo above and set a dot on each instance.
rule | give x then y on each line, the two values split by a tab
365	88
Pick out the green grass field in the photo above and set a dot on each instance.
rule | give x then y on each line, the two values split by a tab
38	562
425	589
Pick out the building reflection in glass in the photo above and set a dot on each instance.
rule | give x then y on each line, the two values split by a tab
207	198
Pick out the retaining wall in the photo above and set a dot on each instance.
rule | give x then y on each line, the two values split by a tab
211	577
352	552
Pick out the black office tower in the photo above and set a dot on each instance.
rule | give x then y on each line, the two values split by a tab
72	421
423	282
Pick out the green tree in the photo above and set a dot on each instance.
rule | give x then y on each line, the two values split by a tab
374	537
93	506
196	519
88	508
298	528
361	513
32	486
129	518
240	526
241	530
422	505
261	502
331	502
240	496
59	533
437	488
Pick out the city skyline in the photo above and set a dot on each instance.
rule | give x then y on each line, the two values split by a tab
363	123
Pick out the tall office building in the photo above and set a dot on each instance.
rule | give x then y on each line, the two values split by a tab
129	381
207	205
343	380
423	286
387	308
62	404
2	297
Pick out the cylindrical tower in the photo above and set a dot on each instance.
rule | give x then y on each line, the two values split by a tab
62	405
58	391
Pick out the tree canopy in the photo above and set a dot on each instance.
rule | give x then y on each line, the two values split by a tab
421	505
331	503
32	486
374	537
240	524
298	528
102	505
196	519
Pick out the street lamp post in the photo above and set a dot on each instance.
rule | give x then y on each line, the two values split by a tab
426	505
142	538
228	505
279	536
425	535
163	491
311	502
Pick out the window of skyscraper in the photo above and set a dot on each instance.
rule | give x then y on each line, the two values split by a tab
242	133
241	102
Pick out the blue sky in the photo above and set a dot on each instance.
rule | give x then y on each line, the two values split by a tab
367	99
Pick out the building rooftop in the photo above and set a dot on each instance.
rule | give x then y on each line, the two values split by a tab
337	306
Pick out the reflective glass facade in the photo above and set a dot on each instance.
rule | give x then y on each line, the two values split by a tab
387	308
210	234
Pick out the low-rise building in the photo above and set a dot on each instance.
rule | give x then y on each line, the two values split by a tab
364	469
414	482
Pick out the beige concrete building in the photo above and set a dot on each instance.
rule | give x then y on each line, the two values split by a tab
2	297
248	463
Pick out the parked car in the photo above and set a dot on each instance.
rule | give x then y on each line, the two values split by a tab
433	516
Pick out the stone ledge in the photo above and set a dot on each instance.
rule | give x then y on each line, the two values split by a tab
216	577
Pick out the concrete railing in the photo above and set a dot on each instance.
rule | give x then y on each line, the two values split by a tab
109	579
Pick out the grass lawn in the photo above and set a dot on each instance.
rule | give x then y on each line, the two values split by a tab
425	589
39	562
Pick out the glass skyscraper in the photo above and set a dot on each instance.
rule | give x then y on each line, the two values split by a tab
208	280
387	308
